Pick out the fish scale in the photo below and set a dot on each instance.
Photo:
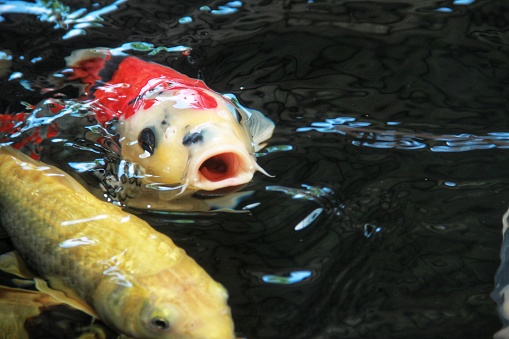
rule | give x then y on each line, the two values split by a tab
39	246
104	257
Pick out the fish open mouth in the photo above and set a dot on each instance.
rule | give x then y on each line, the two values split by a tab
221	167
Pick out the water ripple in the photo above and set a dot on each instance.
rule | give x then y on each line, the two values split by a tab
73	21
367	135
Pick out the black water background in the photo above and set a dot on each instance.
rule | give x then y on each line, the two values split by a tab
428	271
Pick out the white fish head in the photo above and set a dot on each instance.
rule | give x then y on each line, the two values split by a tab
179	143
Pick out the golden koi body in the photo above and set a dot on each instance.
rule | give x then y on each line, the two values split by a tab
135	279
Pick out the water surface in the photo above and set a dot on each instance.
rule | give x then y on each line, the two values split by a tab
383	219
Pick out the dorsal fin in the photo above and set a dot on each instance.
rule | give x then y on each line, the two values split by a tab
11	262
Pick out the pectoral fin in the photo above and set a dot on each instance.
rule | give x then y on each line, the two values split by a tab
260	127
62	297
10	262
16	306
20	308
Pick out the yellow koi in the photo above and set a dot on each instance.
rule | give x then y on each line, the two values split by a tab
134	279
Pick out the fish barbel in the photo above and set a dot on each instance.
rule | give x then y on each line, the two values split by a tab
134	278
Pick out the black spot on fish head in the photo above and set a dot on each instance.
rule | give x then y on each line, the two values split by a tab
192	138
147	140
165	120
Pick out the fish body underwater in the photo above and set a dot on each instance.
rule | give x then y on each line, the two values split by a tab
175	127
17	306
132	277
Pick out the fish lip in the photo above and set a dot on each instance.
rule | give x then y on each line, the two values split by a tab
220	192
239	165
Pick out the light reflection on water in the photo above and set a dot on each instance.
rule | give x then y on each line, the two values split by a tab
365	134
75	22
383	218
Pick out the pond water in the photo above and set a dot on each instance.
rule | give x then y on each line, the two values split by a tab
383	218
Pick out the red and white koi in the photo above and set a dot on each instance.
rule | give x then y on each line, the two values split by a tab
175	128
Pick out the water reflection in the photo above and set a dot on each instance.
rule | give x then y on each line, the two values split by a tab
401	114
324	196
308	220
228	8
368	134
74	22
370	229
291	278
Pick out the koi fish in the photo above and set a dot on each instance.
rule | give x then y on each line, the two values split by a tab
134	279
176	128
21	308
13	124
18	306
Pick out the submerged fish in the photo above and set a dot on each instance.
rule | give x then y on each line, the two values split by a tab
17	306
22	311
133	278
175	127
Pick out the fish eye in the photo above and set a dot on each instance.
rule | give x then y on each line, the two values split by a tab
147	140
159	324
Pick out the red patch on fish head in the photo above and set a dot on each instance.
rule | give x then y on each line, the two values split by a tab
204	100
183	97
129	88
148	103
188	97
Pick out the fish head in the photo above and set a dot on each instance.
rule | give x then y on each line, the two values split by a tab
189	136
180	302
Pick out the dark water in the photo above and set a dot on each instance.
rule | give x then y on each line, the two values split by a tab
390	153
